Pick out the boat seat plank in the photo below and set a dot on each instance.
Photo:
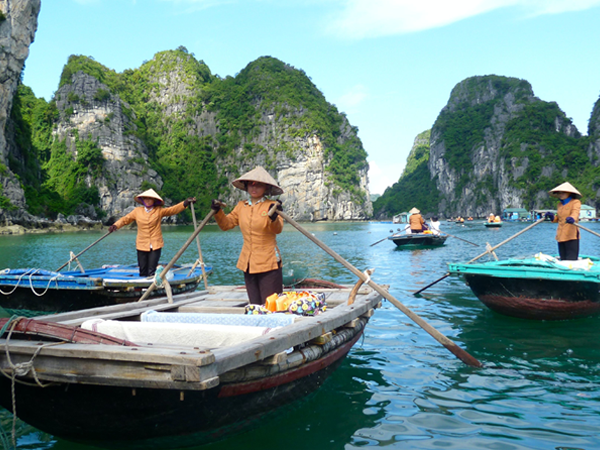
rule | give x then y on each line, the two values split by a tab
120	373
124	307
133	312
144	353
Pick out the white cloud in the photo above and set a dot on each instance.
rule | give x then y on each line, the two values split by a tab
350	101
372	18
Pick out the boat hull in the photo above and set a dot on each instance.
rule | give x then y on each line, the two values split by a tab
493	224
116	417
43	292
539	299
418	240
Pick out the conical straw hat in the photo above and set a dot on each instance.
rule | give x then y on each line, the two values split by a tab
414	211
260	175
565	187
150	193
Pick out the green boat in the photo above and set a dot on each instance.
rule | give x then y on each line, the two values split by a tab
418	240
537	287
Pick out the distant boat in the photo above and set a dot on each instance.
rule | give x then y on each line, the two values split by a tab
418	240
537	287
39	290
493	224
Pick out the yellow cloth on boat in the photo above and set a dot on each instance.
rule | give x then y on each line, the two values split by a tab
187	334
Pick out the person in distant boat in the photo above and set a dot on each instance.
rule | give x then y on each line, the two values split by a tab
260	258
434	225
491	218
567	215
497	219
416	221
149	241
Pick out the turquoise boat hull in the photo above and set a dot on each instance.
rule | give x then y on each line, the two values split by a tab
533	289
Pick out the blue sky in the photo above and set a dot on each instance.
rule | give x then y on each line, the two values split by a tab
390	65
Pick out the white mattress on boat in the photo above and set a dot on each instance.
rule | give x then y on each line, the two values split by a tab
580	264
187	334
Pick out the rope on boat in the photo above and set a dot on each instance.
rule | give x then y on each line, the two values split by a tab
20	369
47	286
30	273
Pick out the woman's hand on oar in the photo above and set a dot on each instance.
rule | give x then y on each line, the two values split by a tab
489	250
455	349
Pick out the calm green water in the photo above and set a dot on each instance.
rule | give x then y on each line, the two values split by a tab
399	388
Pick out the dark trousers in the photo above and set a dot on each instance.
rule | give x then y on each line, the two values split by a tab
148	261
260	285
569	250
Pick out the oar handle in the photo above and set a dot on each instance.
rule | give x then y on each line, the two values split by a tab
73	258
456	350
178	254
586	229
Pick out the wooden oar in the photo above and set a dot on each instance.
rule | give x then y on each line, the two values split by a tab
201	262
489	250
450	345
178	254
82	252
586	229
381	240
461	239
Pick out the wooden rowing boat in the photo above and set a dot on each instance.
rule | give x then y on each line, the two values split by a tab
418	240
492	224
131	392
538	287
43	291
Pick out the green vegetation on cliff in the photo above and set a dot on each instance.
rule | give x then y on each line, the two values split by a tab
414	188
190	162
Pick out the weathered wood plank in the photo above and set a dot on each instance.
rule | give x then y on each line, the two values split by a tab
144	354
124	307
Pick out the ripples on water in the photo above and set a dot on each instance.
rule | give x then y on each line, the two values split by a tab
399	387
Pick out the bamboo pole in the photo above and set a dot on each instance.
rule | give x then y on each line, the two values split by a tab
450	345
73	258
586	229
199	250
178	254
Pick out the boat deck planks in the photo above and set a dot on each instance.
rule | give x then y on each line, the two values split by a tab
174	367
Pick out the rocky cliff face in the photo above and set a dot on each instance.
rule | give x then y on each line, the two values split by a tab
89	112
16	34
475	174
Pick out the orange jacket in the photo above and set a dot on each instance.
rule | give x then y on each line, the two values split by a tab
416	222
149	235
259	252
566	231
